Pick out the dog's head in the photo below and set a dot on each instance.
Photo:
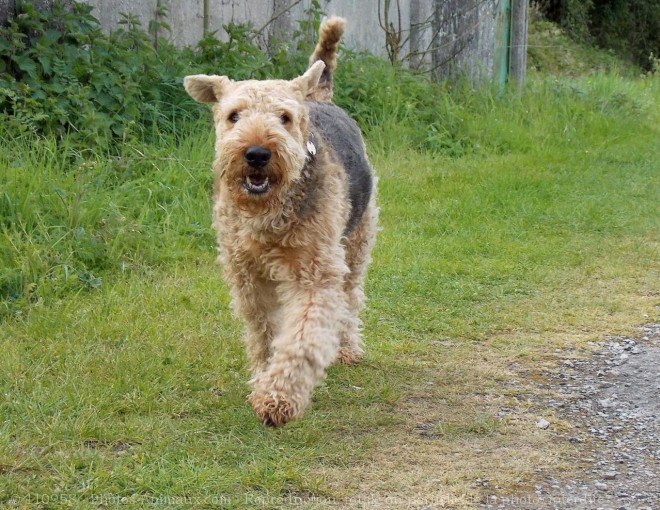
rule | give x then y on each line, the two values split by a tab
262	140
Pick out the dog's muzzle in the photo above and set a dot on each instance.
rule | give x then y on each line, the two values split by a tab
257	180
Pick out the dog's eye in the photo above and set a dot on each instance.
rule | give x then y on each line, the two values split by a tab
285	119
233	117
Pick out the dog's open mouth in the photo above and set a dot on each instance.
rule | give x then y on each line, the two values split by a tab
256	183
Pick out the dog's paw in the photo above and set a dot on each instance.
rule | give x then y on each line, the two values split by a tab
274	409
349	355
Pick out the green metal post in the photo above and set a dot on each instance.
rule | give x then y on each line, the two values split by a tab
205	18
503	35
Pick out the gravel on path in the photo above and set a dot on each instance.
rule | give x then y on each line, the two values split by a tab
611	400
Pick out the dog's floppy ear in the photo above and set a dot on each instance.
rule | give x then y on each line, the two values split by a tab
206	88
310	79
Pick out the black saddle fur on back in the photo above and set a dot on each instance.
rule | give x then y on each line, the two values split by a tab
342	134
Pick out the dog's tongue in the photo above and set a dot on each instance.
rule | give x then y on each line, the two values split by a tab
257	179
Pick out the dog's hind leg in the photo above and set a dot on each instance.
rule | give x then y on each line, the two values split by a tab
358	255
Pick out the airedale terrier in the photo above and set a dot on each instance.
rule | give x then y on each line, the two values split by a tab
295	216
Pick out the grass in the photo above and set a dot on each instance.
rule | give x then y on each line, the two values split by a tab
99	212
552	51
530	223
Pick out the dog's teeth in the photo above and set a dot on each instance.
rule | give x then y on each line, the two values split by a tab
257	187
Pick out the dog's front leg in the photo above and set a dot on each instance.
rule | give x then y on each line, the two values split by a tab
301	351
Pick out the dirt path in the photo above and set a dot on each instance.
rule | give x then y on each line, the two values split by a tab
577	429
609	403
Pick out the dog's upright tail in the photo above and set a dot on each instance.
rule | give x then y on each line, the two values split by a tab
326	50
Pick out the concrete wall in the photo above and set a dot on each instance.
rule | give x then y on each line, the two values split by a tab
186	17
465	37
448	36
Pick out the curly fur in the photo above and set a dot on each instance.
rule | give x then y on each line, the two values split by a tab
294	256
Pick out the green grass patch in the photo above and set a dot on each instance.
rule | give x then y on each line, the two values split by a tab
67	218
532	215
552	51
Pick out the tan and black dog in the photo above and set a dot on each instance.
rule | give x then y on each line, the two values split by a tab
295	216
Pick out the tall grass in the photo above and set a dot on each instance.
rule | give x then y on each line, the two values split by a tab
71	217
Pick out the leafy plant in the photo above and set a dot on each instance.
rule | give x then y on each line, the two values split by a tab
60	74
158	23
238	57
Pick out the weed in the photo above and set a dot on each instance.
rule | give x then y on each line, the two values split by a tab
482	425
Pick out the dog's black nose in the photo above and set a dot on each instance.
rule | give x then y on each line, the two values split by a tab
257	156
